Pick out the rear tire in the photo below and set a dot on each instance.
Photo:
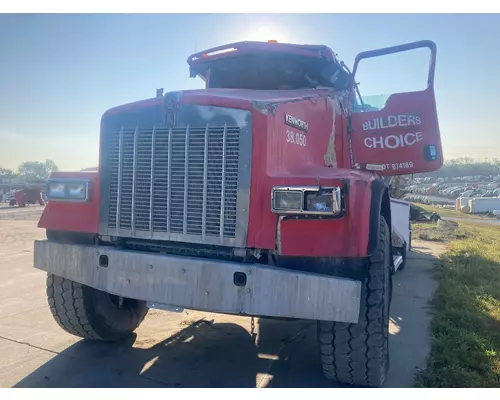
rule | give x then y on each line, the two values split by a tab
358	354
90	313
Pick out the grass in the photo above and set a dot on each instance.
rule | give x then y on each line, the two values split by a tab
465	327
444	212
430	231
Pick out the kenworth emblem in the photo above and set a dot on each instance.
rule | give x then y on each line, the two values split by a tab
296	123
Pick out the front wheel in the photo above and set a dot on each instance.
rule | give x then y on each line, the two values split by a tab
358	354
90	313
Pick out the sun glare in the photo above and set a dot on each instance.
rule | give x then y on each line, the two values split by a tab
264	34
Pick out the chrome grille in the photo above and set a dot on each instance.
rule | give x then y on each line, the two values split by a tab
176	184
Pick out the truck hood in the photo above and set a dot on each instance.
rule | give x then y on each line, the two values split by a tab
233	98
271	96
260	100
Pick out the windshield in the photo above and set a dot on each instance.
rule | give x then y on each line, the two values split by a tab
275	72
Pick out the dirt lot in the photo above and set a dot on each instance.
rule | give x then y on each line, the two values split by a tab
190	349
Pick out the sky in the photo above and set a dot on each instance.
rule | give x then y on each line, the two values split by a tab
60	73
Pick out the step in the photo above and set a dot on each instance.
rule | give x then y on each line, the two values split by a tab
398	260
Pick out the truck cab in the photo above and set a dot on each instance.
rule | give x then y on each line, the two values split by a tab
262	194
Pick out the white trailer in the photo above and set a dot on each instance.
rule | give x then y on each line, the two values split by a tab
479	205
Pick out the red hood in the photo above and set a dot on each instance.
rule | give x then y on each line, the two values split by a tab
249	99
237	98
272	96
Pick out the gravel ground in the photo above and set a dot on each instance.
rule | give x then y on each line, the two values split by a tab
190	349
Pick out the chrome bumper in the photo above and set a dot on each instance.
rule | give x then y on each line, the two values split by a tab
202	284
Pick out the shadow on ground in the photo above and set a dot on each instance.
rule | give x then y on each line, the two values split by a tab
209	354
203	354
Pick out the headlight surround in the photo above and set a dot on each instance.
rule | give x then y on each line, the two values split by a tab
69	190
310	200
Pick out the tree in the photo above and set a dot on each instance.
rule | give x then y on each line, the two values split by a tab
37	170
466	166
6	175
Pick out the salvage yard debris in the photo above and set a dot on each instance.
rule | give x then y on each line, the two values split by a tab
420	214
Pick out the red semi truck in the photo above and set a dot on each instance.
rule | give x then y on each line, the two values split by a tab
261	195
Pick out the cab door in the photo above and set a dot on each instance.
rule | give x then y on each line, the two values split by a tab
396	133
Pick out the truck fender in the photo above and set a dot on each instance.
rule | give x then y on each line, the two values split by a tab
380	205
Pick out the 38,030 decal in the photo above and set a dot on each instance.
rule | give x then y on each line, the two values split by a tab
296	138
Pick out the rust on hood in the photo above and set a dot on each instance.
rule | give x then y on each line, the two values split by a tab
330	156
264	107
270	107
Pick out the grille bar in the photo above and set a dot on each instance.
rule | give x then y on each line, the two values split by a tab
179	184
134	175
151	182
223	182
186	172
119	188
169	190
205	178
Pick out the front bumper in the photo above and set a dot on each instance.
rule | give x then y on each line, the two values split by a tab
202	284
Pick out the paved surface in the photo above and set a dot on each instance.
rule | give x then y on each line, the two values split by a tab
191	349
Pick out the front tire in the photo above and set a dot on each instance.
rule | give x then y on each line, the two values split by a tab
90	313
358	354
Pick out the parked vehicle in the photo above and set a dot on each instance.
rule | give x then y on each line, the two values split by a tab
25	197
469	193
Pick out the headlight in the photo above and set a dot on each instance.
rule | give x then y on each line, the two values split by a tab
287	200
319	201
76	190
307	200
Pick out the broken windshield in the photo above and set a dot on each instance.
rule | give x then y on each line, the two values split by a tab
275	72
